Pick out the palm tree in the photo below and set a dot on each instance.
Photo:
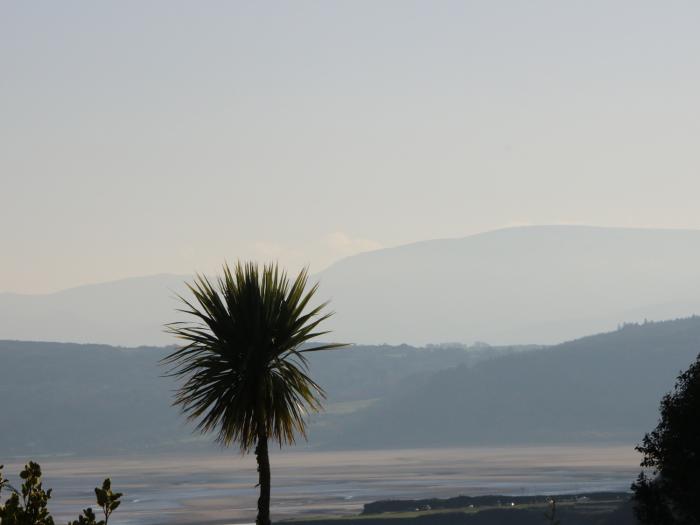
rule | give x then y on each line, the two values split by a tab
243	368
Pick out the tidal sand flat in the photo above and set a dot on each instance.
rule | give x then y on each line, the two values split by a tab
219	487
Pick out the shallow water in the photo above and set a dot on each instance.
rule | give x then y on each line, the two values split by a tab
220	487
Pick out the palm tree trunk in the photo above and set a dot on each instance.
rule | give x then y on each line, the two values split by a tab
263	459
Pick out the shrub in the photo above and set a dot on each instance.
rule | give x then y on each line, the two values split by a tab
29	504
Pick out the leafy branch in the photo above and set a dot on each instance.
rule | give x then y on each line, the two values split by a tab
28	506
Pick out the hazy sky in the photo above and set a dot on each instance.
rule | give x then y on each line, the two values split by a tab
164	136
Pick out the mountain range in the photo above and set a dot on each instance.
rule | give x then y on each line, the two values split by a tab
538	284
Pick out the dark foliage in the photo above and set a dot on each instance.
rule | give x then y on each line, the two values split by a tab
28	505
672	452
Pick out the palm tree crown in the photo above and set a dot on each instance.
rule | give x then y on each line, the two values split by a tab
245	373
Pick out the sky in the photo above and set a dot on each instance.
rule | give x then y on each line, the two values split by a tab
168	136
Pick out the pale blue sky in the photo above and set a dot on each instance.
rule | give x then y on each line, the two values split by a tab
164	136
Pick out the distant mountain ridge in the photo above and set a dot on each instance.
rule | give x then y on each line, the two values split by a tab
535	284
68	398
71	398
603	388
127	312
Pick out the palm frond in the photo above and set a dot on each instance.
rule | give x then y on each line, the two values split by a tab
243	372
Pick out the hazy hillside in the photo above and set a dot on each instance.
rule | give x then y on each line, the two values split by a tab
67	398
603	388
521	285
129	312
543	284
62	398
